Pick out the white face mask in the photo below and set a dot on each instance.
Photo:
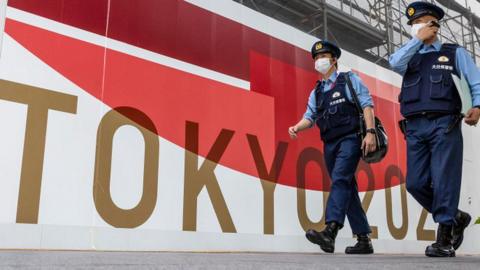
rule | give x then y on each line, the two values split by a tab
322	65
416	27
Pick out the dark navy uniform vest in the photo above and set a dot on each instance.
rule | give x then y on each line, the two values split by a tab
428	85
337	116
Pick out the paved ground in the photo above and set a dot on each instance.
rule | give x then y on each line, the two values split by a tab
193	261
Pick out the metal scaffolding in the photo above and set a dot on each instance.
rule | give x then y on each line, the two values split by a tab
371	29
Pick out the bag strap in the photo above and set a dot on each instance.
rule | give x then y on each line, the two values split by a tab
353	93
317	92
318	89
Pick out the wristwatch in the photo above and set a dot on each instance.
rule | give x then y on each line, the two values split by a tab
371	130
478	106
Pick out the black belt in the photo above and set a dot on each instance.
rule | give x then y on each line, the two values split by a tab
456	119
428	115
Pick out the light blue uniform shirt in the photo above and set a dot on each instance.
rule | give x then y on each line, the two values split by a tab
362	92
464	63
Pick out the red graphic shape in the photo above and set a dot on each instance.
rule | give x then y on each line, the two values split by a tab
171	27
130	81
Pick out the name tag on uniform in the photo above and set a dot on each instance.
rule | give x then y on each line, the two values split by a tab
444	67
338	101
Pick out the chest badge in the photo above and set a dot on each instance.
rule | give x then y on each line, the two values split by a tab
336	95
443	59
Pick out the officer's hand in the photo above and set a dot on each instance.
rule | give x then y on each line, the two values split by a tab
427	32
472	116
369	143
292	131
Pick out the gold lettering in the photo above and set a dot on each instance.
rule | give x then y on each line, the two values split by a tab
268	179
397	233
39	102
196	179
111	213
422	233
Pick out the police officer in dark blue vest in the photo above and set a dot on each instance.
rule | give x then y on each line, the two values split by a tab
331	107
431	105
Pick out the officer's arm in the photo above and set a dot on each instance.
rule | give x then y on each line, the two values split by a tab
399	60
310	114
303	124
468	68
369	117
366	102
362	91
365	99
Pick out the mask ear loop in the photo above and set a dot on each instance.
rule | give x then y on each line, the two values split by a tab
334	63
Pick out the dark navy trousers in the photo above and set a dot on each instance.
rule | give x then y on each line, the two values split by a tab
434	166
341	157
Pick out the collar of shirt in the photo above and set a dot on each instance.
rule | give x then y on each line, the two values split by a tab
327	84
435	47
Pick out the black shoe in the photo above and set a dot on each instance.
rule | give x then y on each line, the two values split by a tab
363	246
326	238
462	219
443	247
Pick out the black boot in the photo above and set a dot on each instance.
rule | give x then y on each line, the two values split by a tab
363	245
326	238
462	219
443	247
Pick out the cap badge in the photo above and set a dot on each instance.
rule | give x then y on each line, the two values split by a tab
411	11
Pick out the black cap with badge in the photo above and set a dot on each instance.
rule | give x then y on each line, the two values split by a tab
419	9
324	46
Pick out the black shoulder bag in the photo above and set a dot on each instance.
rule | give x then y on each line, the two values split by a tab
381	134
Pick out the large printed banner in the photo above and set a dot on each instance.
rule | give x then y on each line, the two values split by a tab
3	10
162	125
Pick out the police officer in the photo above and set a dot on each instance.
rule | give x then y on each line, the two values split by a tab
331	107
431	105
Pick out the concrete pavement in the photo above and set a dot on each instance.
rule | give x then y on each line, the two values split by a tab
193	261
